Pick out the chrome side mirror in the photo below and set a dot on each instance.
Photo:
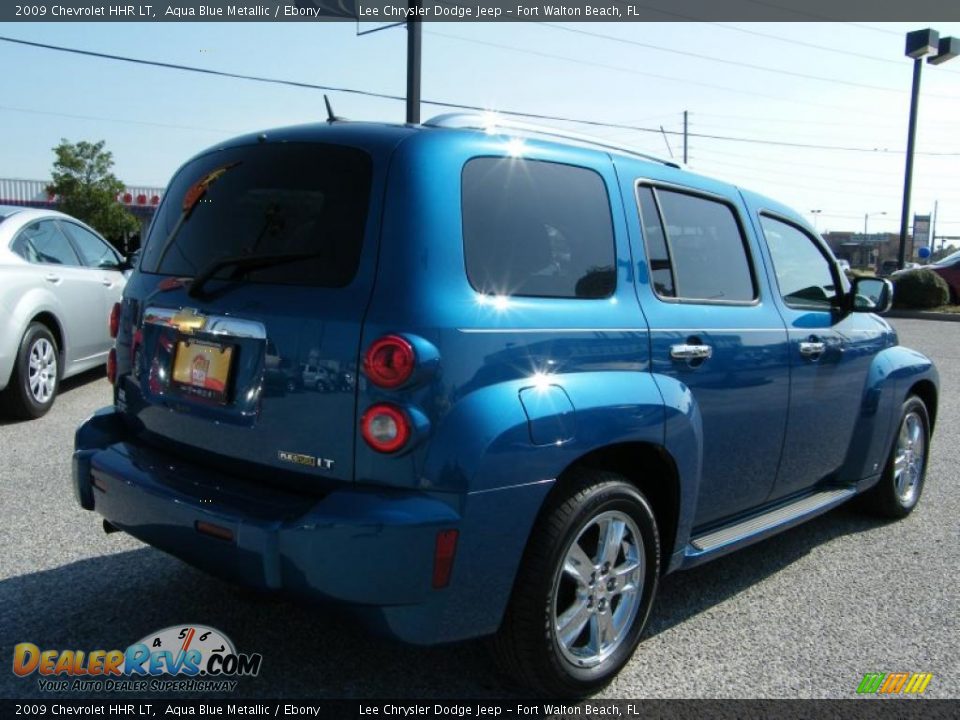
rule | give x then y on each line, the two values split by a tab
871	295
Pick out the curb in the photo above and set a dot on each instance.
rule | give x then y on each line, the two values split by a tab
921	315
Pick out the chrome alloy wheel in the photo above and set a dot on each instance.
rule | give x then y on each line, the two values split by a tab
597	589
909	458
42	371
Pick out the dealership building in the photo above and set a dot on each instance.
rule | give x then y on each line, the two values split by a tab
140	200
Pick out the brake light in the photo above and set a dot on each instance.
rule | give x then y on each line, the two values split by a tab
115	320
112	366
385	427
443	554
390	361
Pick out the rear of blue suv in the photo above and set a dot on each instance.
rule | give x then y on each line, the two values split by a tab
543	358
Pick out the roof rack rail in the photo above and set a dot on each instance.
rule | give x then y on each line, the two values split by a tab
491	122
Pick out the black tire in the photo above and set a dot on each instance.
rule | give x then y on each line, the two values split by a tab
17	399
527	646
887	499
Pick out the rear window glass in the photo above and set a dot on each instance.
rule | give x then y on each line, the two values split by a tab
289	199
537	228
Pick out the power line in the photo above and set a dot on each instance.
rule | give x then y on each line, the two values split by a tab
457	106
825	178
736	63
864	26
643	73
804	43
100	118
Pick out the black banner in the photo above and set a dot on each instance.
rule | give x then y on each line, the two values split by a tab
390	11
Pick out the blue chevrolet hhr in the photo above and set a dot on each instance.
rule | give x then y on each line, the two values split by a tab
552	371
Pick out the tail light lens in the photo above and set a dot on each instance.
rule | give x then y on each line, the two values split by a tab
390	361
112	366
115	320
385	427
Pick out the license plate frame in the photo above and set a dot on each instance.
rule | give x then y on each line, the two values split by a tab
203	369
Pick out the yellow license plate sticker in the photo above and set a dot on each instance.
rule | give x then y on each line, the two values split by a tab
203	368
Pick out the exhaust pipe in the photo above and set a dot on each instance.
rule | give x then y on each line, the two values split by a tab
108	528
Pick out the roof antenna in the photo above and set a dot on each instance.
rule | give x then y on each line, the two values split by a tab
331	118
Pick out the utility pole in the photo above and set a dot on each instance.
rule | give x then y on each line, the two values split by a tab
414	40
933	227
685	136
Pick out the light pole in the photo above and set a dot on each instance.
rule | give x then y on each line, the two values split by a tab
920	44
815	213
866	216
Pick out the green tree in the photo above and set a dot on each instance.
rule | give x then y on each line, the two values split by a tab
88	190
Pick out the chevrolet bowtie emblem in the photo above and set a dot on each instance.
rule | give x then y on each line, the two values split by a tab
188	321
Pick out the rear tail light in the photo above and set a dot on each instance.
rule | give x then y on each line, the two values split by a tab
390	361
385	427
115	320
443	553
112	366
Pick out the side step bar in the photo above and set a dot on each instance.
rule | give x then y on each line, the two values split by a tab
782	516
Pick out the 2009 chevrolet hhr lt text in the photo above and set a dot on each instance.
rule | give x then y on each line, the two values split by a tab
472	378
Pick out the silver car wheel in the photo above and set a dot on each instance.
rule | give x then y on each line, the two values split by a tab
597	589
42	371
909	458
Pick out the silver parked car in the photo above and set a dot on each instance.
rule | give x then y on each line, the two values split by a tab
59	280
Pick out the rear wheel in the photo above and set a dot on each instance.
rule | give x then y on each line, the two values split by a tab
898	491
584	590
36	375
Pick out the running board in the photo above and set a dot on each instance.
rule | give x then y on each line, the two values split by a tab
760	524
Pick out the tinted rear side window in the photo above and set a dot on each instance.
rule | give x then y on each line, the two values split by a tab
705	248
537	228
266	200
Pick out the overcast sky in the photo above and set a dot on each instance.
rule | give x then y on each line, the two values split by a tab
841	85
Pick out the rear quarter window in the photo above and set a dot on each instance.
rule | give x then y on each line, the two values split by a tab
291	198
537	228
695	246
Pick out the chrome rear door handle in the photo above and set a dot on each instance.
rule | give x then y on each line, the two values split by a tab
107	282
811	348
50	277
691	352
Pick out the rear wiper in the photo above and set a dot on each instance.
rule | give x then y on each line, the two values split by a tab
242	264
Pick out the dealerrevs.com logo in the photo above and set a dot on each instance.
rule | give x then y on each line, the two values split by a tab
178	658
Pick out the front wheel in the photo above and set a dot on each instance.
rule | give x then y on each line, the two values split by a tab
584	589
898	491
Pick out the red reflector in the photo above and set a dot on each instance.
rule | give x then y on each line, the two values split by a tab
112	366
385	427
389	362
446	548
114	320
217	531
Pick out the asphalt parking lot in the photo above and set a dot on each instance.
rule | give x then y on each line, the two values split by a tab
804	614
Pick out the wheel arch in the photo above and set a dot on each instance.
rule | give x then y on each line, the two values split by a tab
52	324
648	467
927	392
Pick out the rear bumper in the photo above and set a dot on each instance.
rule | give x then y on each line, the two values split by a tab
372	549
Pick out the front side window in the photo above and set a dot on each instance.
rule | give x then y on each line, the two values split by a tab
695	247
306	202
43	242
537	228
93	251
803	272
